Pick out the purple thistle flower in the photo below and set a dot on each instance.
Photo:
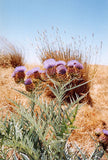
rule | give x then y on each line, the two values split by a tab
18	69
105	132
60	63
61	69
42	71
29	85
28	81
74	63
32	71
49	63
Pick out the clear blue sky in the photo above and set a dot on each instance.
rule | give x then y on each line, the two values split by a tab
20	20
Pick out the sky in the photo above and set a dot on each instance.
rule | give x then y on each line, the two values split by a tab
21	19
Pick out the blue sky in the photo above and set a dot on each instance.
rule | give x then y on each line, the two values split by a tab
20	20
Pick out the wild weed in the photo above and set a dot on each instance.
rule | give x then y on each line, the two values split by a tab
42	134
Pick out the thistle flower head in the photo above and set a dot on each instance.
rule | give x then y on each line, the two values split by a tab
43	75
103	139
42	71
28	81
32	71
60	63
49	63
61	69
98	131
19	74
18	69
75	63
105	132
29	85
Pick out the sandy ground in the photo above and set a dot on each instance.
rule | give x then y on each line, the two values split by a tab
88	118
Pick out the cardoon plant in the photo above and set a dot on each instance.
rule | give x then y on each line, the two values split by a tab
40	131
38	134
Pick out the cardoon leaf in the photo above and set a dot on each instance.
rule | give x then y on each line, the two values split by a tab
24	156
14	156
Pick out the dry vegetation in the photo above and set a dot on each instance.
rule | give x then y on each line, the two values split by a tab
10	55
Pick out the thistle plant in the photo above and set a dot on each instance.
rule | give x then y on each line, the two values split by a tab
77	50
41	134
40	130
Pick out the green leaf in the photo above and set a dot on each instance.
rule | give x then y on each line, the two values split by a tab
24	156
14	156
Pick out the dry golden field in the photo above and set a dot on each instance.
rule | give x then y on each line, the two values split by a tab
88	118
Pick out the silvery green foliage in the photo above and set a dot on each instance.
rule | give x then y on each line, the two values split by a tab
42	135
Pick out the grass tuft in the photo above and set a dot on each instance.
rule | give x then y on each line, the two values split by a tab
10	55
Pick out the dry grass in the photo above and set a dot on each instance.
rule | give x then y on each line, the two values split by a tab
11	55
16	59
5	61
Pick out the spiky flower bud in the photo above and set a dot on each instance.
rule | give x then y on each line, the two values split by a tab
98	131
34	74
103	139
51	71
29	85
73	68
19	74
61	69
61	72
43	75
49	65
